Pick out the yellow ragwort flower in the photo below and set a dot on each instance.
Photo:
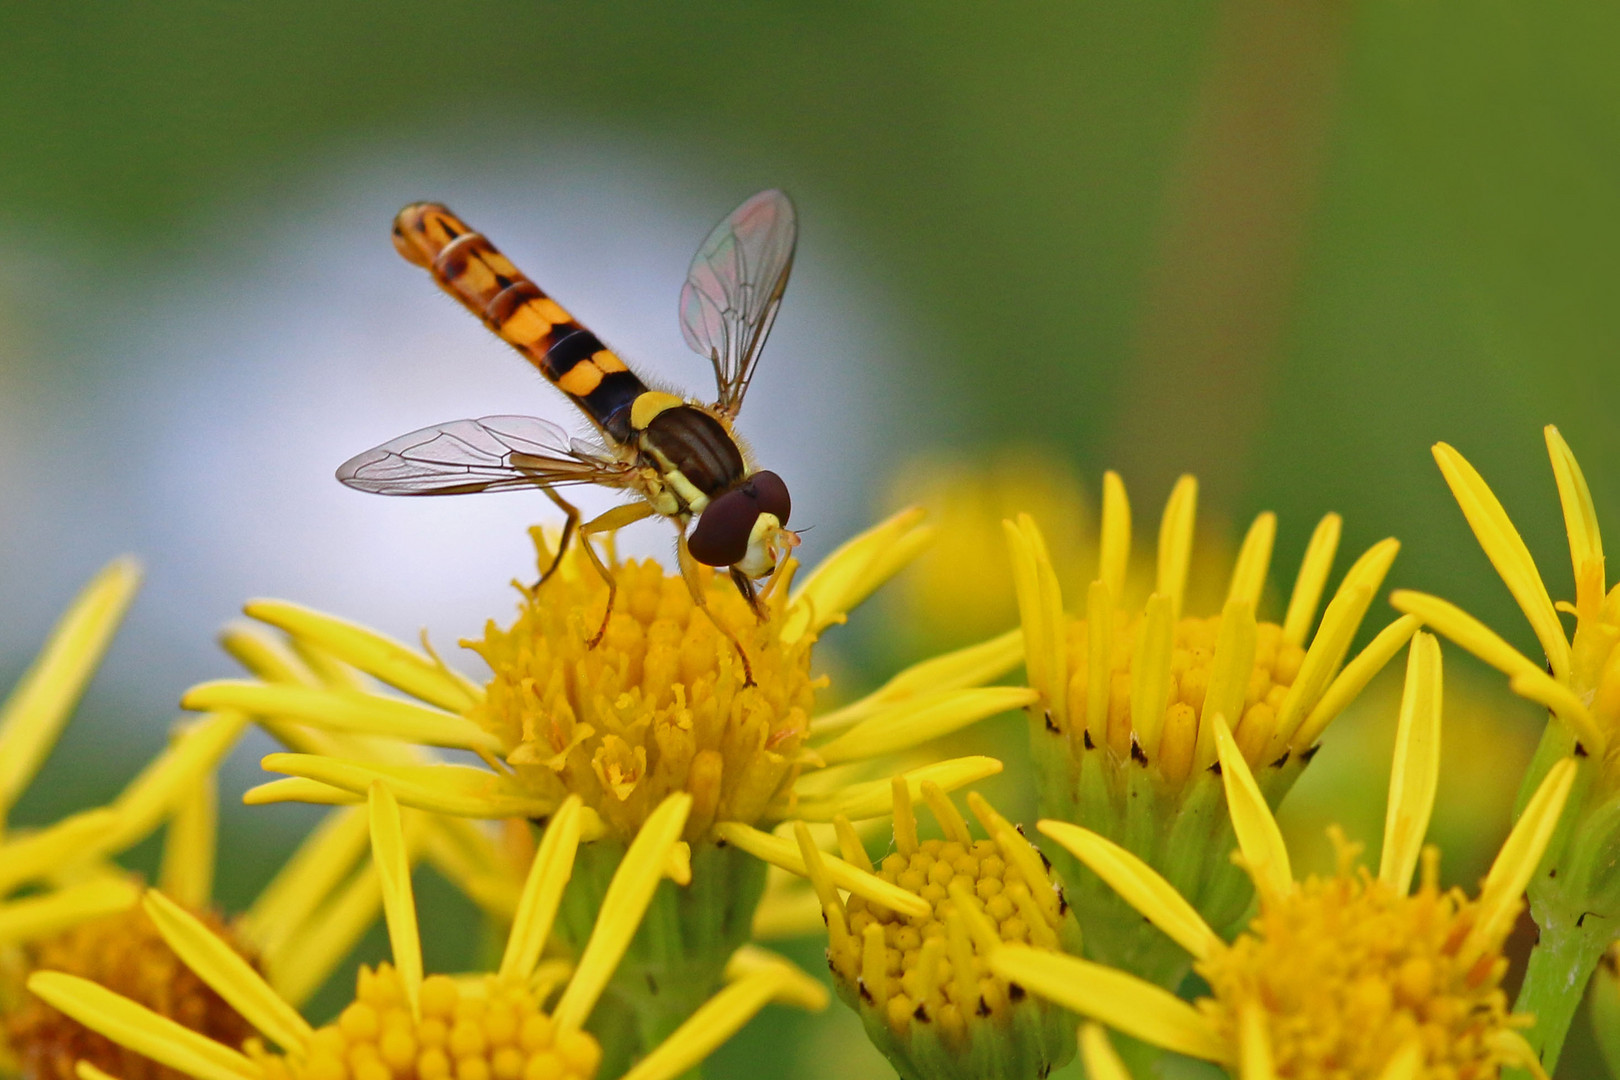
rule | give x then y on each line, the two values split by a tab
405	1026
921	981
1354	975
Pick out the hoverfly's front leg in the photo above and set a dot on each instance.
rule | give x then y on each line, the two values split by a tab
750	593
700	597
616	518
570	524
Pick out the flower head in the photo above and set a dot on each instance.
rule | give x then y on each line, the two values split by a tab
403	1024
1354	974
921	979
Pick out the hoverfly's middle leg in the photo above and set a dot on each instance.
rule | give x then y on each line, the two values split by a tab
570	526
616	518
700	597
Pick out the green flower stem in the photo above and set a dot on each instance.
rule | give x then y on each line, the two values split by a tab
1561	965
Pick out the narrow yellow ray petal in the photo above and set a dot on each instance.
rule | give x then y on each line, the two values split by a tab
393	862
785	853
1253	561
715	1021
922	718
39	704
84	1070
265	657
1098	1056
815	868
1140	886
553	865
306	958
1264	853
348	711
195	752
187	873
1461	627
623	905
850	574
450	789
1114	542
1150	675
1580	516
1228	677
973	665
1348	684
1254	1044
1515	1049
324	858
1406	1063
874	798
298	790
1040	611
1505	548
787	913
466	858
1120	1000
1312	579
1415	775
1563	702
1100	651
1175	542
140	1029
374	653
44	914
230	976
799	988
1517	861
36	855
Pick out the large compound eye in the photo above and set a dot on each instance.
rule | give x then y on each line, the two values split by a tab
772	494
721	535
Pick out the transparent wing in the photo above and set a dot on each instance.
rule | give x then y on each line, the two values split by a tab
735	286
495	453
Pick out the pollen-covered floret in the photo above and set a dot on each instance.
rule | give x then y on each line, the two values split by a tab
126	954
488	1030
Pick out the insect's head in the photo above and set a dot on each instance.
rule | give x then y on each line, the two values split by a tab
421	231
745	526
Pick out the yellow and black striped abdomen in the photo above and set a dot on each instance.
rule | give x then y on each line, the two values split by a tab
470	268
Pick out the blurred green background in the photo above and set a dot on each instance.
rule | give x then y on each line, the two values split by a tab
1285	246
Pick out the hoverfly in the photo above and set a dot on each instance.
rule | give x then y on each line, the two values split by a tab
678	455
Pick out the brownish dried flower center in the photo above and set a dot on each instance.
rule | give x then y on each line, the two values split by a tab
125	954
658	706
1346	972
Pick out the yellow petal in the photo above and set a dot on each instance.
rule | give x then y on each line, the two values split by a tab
1348	684
1175	542
1563	703
1040	612
300	964
1253	561
1254	1044
38	706
626	900
1516	862
1313	575
1506	550
921	719
1415	775
1114	542
785	853
84	1070
788	912
149	799
1464	629
37	855
1228	677
298	790
715	1021
140	1029
449	789
393	863
1098	1056
1120	1000
376	654
973	665
187	874
324	858
265	657
1264	853
550	870
799	989
1140	886
1515	1049
1100	599
1150	676
45	914
347	711
230	976
874	798
851	573
1406	1063
1580	516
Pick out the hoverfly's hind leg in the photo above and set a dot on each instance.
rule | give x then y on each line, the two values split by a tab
616	518
700	597
570	526
750	592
